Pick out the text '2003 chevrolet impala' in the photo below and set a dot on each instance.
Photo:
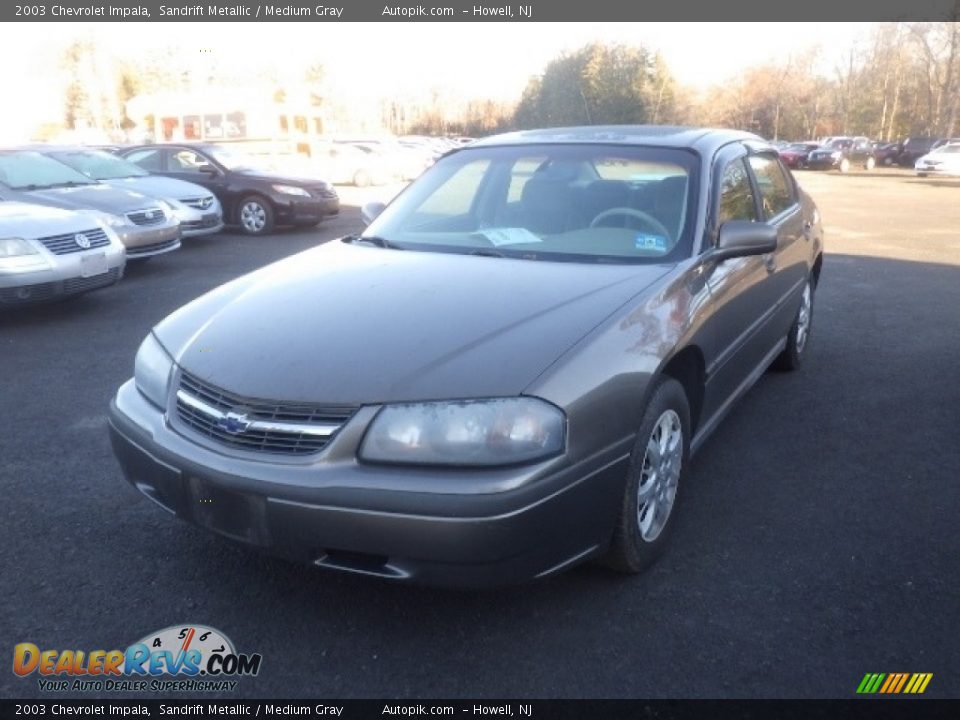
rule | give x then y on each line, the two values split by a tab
505	375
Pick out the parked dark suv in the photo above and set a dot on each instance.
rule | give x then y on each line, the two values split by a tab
843	153
253	197
915	148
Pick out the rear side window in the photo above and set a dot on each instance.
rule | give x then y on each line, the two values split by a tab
776	193
736	195
147	159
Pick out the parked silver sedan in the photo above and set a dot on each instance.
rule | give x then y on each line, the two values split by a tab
47	253
197	209
145	226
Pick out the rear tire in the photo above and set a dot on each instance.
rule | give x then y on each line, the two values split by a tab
798	338
870	164
361	179
655	481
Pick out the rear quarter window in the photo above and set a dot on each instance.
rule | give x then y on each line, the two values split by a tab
776	190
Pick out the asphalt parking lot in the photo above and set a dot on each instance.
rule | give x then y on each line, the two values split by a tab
818	540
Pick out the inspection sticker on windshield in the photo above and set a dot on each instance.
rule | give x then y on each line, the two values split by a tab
509	236
657	243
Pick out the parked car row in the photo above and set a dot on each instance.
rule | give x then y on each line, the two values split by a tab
71	217
844	152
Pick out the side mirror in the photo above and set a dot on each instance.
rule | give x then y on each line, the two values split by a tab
742	238
371	210
208	169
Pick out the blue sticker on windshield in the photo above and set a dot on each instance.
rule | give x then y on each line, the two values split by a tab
657	243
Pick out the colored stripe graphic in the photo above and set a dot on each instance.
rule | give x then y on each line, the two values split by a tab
894	683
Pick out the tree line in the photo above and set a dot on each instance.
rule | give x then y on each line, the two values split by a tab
903	80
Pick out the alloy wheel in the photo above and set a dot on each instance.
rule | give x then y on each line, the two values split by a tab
253	217
659	475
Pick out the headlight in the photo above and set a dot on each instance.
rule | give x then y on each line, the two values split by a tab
836	154
169	210
467	432
114	221
290	190
15	247
152	370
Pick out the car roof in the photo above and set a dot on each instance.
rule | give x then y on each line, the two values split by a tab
192	145
704	140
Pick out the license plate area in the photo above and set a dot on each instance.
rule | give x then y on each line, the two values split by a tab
93	265
228	512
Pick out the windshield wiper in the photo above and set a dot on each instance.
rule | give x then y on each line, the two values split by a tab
373	240
69	183
486	252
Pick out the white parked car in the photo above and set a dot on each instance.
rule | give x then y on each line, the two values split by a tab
48	253
943	160
197	209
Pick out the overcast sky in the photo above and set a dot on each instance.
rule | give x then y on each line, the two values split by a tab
471	59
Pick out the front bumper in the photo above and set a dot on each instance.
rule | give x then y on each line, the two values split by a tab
295	210
339	514
823	163
146	241
936	170
65	276
201	224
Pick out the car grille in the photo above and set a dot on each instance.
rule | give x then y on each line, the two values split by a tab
47	291
67	244
323	192
200	203
148	216
264	426
80	284
156	247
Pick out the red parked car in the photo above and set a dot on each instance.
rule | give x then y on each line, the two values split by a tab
795	155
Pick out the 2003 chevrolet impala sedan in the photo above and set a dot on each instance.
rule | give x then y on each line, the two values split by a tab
506	374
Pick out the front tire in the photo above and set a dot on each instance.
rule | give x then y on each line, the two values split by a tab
844	165
255	215
799	336
655	481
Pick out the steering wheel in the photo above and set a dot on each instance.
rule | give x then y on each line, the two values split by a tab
648	220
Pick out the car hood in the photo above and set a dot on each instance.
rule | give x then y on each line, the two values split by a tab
158	186
359	324
85	197
32	221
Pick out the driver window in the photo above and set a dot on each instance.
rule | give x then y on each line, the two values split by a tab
186	161
736	195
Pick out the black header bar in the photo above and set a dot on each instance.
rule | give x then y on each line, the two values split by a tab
334	11
854	709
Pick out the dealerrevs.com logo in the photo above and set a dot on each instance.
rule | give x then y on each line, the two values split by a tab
180	658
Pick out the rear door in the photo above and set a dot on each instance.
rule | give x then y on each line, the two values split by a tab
787	267
740	290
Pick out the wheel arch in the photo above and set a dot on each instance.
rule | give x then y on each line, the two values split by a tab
688	368
817	266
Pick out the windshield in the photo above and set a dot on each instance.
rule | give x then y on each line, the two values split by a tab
798	147
841	143
236	160
26	170
948	149
580	203
98	164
